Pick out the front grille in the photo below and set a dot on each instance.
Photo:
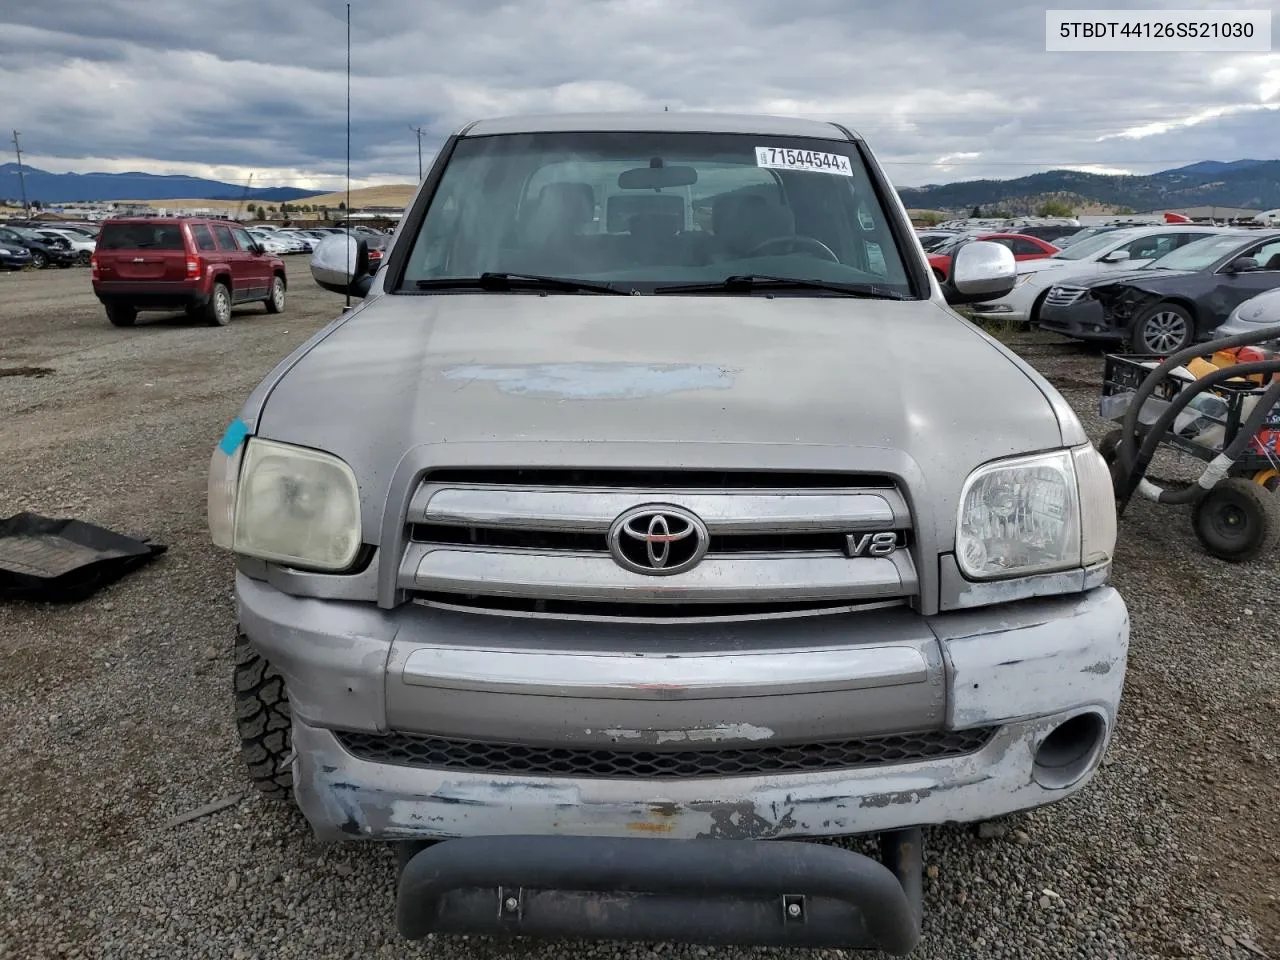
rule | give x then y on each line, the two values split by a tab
439	753
539	541
578	540
1060	296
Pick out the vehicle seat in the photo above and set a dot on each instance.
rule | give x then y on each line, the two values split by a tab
653	239
742	223
1273	263
555	221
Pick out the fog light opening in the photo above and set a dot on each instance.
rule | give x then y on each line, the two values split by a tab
1069	751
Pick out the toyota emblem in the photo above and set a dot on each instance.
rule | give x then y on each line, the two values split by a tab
658	539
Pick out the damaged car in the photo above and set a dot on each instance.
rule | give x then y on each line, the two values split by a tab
635	530
1174	301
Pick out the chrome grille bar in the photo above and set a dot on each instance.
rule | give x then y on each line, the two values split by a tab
498	572
593	509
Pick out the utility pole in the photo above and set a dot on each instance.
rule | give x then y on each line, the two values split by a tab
22	180
418	131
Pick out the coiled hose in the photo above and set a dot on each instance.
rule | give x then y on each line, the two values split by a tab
1126	455
1220	465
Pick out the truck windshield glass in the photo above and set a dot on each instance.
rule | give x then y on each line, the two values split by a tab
644	210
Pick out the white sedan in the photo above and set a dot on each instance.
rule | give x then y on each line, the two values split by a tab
269	243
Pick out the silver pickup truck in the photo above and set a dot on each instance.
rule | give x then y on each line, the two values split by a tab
652	504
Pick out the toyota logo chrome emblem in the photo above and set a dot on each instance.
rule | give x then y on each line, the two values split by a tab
658	539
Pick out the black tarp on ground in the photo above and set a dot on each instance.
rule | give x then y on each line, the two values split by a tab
63	561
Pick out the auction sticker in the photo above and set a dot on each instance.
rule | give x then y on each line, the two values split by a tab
777	158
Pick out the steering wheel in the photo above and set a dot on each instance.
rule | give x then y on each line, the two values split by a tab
810	245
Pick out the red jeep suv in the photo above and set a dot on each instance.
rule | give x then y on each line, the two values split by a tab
163	263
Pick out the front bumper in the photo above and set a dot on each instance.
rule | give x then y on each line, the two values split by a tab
1013	307
1085	320
14	261
720	892
1026	668
59	257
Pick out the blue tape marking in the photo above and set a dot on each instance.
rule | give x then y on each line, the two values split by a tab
237	430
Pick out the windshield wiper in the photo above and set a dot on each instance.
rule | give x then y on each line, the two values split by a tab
512	281
755	281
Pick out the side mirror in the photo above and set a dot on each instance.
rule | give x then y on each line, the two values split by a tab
980	270
1116	256
340	264
1242	265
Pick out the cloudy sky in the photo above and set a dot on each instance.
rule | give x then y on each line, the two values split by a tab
942	89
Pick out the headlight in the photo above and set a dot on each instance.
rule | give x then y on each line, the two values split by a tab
286	504
1036	514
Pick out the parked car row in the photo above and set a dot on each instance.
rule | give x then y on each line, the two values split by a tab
1153	290
40	243
1100	253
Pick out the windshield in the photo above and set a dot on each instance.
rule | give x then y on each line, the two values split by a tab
1197	255
642	210
1083	249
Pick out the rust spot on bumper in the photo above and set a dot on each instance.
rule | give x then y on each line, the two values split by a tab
644	826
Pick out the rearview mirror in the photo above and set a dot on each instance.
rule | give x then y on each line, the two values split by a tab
981	270
654	178
340	264
1116	256
1242	265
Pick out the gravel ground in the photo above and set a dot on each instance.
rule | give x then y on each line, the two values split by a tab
117	714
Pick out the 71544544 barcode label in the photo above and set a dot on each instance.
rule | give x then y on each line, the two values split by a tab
779	159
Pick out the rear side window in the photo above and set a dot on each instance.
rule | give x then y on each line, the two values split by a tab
225	240
141	236
204	239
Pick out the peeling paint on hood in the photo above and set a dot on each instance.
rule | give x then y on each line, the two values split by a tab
596	381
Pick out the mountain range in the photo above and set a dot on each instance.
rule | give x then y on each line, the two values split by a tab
1252	184
46	187
1249	184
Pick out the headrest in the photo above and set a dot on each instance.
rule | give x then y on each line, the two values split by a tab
574	200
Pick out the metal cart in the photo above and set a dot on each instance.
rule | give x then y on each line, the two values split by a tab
1222	418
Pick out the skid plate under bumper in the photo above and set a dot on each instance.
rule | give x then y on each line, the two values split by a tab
714	892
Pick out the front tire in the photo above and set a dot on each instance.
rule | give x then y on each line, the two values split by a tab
1161	330
275	302
1238	520
38	260
217	311
264	722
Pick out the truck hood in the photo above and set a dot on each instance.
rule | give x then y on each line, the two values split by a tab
683	379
